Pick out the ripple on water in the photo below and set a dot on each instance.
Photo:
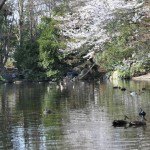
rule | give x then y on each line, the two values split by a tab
83	120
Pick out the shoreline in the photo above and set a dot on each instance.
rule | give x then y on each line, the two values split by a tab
145	77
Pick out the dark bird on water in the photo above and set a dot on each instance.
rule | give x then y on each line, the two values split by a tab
47	111
142	113
116	87
143	88
138	123
119	123
123	89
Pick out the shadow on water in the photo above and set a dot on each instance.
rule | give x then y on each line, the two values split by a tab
81	118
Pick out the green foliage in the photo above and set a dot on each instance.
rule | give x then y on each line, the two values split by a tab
40	58
50	43
114	53
138	69
126	40
27	55
1	78
35	75
117	49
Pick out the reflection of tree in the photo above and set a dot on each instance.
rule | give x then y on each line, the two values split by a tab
75	96
6	110
29	96
120	103
22	124
81	95
29	103
21	113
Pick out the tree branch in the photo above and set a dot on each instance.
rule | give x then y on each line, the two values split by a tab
2	4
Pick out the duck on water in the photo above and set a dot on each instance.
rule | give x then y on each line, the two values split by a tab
138	123
47	111
120	123
125	123
142	113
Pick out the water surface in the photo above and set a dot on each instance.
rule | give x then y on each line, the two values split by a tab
81	120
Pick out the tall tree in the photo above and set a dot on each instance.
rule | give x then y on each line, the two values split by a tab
29	15
50	43
6	35
128	47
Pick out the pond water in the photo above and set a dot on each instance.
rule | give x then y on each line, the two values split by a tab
81	118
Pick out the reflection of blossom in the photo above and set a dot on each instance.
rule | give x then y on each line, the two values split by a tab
148	55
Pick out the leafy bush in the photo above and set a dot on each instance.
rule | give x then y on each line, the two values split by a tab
1	78
50	43
128	40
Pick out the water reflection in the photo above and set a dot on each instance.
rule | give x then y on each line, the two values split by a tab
82	116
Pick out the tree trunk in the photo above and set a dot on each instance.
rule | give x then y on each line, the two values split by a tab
2	4
21	20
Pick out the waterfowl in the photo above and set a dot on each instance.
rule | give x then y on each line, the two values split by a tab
140	92
123	89
138	123
133	93
142	113
116	87
47	111
143	88
119	123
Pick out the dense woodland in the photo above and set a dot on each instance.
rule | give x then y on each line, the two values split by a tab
32	40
